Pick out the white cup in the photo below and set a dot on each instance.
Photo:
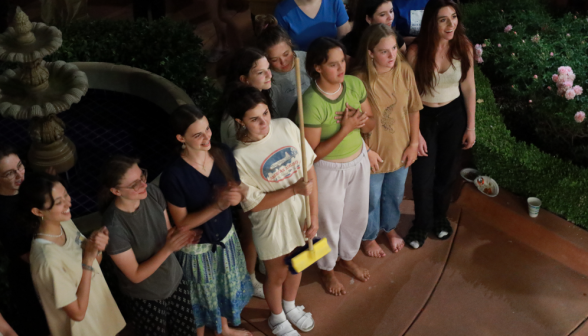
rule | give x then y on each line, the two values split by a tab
534	206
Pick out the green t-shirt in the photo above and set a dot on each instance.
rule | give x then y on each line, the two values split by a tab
320	111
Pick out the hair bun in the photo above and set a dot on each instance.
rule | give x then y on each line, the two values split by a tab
263	21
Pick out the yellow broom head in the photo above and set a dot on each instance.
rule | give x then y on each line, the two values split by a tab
308	257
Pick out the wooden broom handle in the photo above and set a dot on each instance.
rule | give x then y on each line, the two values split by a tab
303	145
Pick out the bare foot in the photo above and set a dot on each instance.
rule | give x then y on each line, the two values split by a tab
227	331
332	284
362	274
372	249
396	242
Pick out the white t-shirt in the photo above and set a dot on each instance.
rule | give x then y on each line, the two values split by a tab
57	272
283	90
268	165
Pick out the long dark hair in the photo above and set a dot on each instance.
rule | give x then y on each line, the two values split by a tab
364	8
243	61
34	192
460	48
318	53
181	119
112	172
243	99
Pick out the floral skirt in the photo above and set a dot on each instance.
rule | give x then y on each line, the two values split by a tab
219	283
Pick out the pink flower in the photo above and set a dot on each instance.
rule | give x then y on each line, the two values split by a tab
502	10
549	88
554	78
575	17
513	54
523	41
530	101
535	77
568	35
568	85
578	90
515	33
570	94
579	116
535	38
499	45
483	45
479	50
479	59
551	54
564	70
509	28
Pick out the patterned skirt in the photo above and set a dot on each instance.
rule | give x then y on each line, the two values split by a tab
219	283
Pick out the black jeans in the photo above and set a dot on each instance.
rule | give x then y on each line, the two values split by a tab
141	9
433	175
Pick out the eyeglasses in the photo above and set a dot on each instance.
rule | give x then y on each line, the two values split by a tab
137	185
11	174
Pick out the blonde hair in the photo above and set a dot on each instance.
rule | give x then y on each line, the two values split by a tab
366	69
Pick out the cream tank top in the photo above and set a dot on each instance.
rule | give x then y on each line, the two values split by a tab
447	88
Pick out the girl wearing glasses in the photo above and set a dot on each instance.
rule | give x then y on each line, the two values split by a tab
65	265
16	241
200	186
142	243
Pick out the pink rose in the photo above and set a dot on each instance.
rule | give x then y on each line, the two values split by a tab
554	78
483	45
479	50
499	45
578	90
551	54
570	94
568	85
568	35
549	88
479	59
513	54
579	116
535	77
530	101
535	38
515	33
509	28
575	17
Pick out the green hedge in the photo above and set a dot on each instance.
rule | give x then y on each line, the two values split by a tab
524	169
164	47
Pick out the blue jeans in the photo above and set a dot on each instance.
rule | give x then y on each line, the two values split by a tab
386	194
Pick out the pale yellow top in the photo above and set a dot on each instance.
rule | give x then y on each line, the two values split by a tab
57	272
447	88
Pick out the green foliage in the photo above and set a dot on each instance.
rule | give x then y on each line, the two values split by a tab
164	47
524	169
532	108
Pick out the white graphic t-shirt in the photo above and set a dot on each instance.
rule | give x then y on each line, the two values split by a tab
416	17
268	165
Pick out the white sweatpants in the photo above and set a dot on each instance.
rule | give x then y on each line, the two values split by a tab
343	191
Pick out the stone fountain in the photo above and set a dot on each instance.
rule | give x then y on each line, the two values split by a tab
38	90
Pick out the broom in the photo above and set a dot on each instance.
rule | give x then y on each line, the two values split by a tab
301	258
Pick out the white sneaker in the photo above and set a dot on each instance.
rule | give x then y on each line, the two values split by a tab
301	319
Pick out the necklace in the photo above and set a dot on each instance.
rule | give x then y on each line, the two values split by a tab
329	93
50	235
196	163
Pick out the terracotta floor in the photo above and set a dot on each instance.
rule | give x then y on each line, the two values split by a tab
501	273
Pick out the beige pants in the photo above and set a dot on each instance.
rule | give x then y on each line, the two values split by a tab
343	190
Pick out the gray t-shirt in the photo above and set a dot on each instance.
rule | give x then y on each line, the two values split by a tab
283	90
145	232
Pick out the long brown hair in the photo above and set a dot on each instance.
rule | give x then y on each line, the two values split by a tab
181	119
460	48
365	67
112	172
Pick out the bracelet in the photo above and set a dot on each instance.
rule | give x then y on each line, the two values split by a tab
471	129
369	149
87	267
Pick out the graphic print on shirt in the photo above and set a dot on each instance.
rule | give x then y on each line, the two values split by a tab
280	165
416	17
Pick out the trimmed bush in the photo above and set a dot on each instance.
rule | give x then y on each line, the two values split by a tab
523	168
164	47
523	48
